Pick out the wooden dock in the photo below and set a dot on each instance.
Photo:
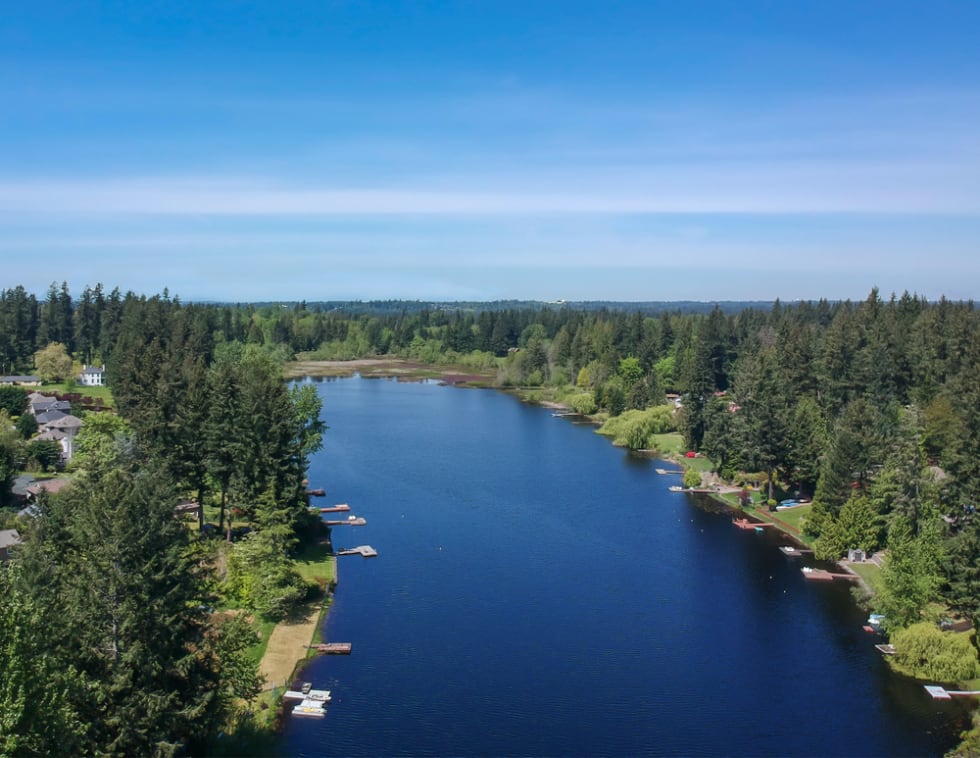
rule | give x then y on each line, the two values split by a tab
886	649
318	492
789	550
339	508
666	471
821	575
363	550
744	523
332	648
347	522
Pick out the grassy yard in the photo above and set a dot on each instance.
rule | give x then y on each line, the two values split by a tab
668	444
316	563
103	393
869	572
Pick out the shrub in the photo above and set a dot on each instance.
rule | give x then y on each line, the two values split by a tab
692	478
926	652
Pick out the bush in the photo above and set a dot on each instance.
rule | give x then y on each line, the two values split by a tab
692	478
634	429
925	652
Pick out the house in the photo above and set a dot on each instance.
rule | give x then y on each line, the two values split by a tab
92	376
51	486
38	404
21	381
59	427
8	538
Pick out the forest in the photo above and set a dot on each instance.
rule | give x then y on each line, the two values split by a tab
870	409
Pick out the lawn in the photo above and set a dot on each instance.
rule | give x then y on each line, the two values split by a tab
64	388
668	444
315	563
869	572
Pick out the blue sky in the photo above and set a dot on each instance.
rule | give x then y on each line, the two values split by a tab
486	150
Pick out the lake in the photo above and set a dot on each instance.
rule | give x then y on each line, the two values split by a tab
540	592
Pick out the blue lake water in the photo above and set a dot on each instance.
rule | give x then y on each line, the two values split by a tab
540	592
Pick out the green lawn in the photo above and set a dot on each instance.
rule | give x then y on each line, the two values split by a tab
668	444
73	387
316	564
869	572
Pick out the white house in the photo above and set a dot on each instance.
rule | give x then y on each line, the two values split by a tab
92	376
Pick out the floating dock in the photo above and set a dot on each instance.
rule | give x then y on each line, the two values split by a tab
789	550
363	550
821	575
332	648
347	522
319	696
665	471
744	523
339	508
886	649
318	492
941	693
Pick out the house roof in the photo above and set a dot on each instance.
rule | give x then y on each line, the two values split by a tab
51	486
93	370
51	434
9	538
49	416
65	421
19	379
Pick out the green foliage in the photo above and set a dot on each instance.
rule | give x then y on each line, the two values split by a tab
912	571
262	578
582	403
26	426
53	363
239	671
9	452
42	455
923	651
13	399
36	712
110	568
104	439
858	525
692	478
635	429
630	370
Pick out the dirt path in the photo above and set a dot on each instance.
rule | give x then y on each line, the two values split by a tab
287	645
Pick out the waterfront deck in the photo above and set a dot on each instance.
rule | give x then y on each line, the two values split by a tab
363	550
744	523
941	693
332	648
347	522
339	508
822	575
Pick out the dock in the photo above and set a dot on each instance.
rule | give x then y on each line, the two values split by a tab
332	648
789	550
822	575
665	471
320	696
941	693
365	551
347	522
339	508
744	523
318	492
886	649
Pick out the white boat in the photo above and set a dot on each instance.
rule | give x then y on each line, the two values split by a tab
321	696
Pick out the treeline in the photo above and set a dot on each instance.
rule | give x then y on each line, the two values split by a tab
871	407
109	639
